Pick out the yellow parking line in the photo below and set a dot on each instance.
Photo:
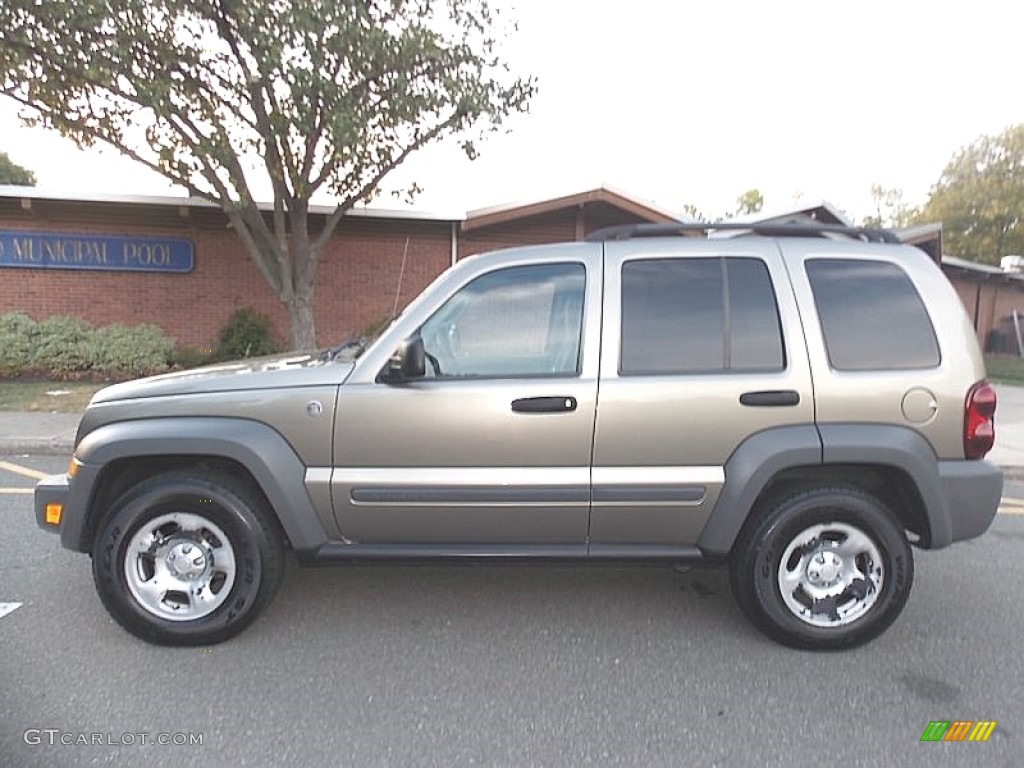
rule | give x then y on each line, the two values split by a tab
25	491
17	469
1011	510
1014	502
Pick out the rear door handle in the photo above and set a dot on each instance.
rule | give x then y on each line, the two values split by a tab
544	404
771	398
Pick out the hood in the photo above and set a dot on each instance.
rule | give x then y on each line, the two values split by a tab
296	369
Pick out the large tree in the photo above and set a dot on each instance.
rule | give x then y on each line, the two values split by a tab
749	203
12	173
312	95
890	209
980	198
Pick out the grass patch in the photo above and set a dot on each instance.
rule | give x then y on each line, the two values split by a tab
17	395
1005	369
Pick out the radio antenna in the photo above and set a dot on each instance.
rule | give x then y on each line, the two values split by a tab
401	274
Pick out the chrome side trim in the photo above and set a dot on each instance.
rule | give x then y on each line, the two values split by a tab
682	486
464	486
454	496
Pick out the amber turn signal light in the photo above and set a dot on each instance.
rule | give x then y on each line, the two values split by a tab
53	512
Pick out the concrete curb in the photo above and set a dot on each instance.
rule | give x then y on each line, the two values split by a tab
39	446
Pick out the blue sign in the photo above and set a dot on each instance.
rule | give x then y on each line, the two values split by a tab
64	250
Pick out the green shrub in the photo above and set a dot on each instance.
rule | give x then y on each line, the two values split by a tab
247	333
66	348
18	334
190	357
63	347
139	351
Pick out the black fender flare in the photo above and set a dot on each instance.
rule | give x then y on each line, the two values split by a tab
757	460
265	454
748	471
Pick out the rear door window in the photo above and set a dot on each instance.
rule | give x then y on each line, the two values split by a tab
699	315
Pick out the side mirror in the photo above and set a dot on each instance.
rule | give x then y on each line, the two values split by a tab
408	362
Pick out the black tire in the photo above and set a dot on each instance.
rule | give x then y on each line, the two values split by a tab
847	574
209	534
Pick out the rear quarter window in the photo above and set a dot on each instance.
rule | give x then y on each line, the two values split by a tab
871	315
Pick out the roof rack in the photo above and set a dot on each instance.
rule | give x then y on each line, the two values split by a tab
630	231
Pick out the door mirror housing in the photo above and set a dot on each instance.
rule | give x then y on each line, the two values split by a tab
408	363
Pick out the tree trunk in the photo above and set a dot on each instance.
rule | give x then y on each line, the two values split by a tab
300	319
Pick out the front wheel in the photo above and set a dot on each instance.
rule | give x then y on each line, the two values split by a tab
187	559
822	568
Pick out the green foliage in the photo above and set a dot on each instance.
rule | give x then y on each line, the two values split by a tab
63	346
750	202
18	334
12	173
890	210
66	348
138	350
310	95
1005	369
694	213
247	333
190	357
980	198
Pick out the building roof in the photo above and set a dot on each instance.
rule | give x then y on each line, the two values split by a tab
500	214
974	266
34	193
927	237
821	212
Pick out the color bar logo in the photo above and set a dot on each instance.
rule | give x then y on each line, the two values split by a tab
958	730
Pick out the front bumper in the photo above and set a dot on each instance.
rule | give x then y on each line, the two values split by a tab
52	489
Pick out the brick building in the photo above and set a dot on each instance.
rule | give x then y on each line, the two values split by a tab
55	257
52	260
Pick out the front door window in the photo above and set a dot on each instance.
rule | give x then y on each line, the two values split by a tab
520	321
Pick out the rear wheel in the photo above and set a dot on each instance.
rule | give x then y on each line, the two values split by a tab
822	568
188	559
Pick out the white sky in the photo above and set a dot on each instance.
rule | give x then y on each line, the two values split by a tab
684	102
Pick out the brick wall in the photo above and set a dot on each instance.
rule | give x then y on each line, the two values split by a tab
357	279
990	304
360	279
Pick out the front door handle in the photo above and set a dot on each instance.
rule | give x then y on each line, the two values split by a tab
544	404
771	398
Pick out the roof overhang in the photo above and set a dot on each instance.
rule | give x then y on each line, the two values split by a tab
28	195
502	214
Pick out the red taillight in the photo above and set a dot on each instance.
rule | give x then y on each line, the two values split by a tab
979	420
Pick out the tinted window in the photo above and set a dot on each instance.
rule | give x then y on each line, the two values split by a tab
871	315
521	321
705	314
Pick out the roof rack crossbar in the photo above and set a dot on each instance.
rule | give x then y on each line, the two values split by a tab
630	231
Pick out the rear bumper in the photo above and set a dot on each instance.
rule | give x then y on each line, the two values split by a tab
971	491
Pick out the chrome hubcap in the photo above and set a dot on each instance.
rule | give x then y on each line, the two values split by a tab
830	574
824	569
187	560
179	566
